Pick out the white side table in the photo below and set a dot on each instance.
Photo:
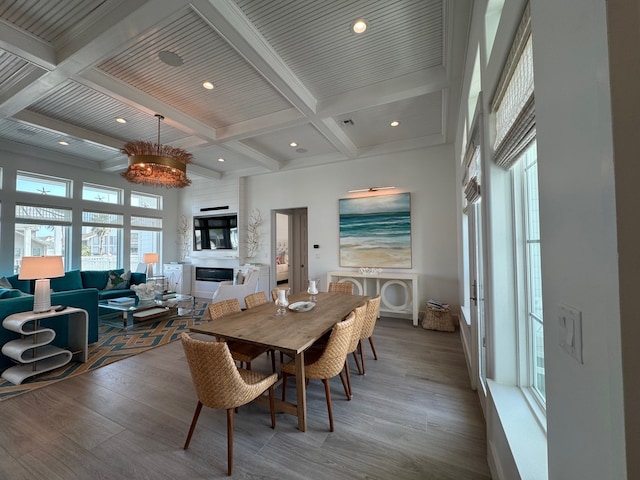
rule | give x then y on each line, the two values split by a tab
379	284
33	351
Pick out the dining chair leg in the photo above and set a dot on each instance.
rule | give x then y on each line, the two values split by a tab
229	441
355	357
284	386
361	350
196	414
327	392
272	407
347	385
373	349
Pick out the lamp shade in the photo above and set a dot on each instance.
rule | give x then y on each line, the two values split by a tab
41	269
33	268
150	258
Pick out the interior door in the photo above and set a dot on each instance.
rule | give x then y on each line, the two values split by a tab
476	289
298	269
298	247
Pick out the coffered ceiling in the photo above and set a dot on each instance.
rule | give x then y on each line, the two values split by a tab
283	71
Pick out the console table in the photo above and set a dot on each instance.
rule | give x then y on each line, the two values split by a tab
33	351
378	284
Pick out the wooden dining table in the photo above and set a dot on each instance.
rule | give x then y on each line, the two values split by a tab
292	333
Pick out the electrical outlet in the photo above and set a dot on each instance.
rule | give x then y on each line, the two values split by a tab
570	331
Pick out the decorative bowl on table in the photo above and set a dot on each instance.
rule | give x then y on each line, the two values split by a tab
301	306
145	291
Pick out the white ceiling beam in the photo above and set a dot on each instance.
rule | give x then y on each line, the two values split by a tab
203	172
261	125
27	46
337	136
147	103
409	86
231	24
268	162
19	150
66	129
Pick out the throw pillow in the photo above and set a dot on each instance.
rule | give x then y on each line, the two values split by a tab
239	278
116	282
126	276
5	283
10	293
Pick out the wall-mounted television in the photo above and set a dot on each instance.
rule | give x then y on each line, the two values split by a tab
217	232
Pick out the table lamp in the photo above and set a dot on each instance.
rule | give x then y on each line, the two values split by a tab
150	259
41	269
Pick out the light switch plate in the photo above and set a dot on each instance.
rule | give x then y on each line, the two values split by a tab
570	331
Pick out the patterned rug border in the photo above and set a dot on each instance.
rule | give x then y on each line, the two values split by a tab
113	344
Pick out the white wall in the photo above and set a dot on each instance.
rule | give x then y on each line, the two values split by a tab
578	237
585	415
428	174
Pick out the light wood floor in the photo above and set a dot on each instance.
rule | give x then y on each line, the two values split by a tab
413	416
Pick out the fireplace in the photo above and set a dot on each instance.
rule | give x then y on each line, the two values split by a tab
213	274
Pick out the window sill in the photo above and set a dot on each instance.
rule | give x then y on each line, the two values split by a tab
523	429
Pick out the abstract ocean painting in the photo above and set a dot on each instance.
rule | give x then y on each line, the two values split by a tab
375	231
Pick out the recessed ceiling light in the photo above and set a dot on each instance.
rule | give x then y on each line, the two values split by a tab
170	58
395	123
62	142
359	26
208	85
221	159
293	144
121	120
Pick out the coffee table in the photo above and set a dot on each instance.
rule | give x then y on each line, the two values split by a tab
144	310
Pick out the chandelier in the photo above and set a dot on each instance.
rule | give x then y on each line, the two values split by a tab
156	164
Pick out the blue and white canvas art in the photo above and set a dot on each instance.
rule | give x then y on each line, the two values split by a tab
375	231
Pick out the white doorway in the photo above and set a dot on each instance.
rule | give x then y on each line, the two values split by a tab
289	254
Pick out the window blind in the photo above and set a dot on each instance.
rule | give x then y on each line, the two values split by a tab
513	104
471	180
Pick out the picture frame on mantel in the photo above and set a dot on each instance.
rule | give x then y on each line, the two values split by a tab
375	231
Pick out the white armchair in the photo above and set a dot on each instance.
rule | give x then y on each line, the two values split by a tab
227	290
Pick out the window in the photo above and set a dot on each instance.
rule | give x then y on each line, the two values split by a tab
515	149
41	230
146	237
43	184
102	236
534	326
146	200
99	193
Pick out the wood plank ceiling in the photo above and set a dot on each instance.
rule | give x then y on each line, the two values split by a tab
282	70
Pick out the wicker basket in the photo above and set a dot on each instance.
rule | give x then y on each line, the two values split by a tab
438	319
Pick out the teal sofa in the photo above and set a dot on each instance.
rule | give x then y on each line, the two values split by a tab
82	289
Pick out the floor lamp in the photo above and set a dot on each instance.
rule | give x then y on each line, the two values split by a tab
41	269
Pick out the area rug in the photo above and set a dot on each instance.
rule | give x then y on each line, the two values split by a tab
113	344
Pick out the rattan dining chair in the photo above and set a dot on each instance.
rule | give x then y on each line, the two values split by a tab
255	299
341	287
327	363
242	352
221	384
373	309
360	317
